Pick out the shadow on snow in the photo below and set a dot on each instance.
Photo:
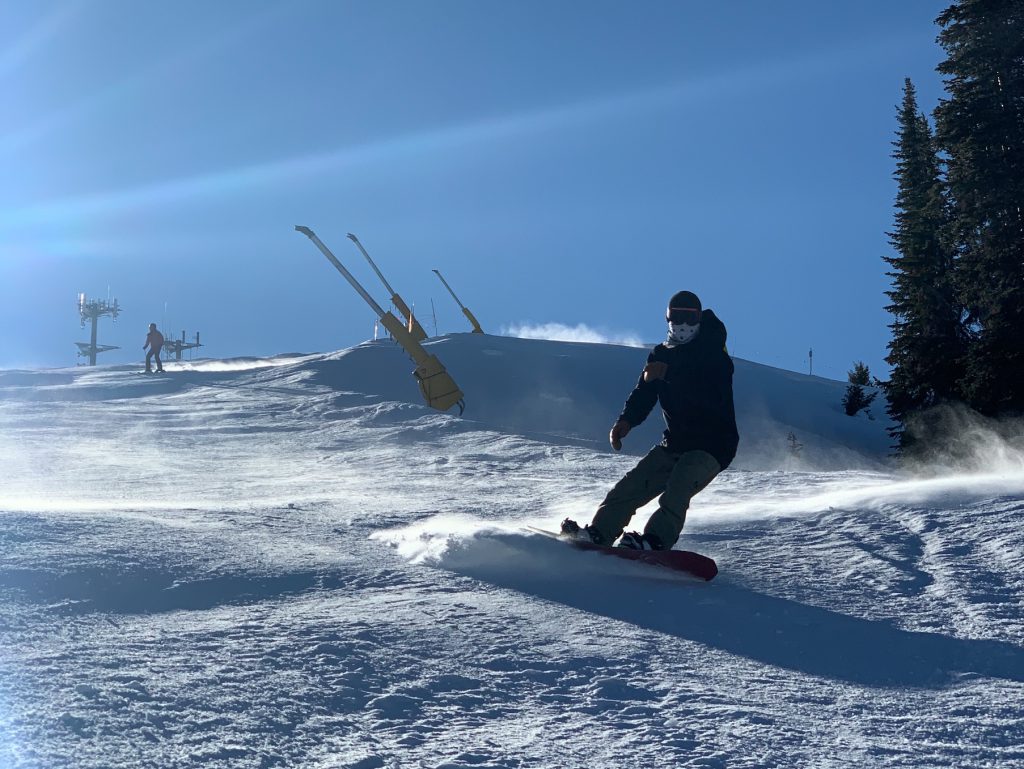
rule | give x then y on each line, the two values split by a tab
156	590
733	618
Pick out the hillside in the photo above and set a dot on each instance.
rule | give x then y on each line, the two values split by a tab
292	562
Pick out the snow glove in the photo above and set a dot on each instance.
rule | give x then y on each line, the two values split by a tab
619	431
656	369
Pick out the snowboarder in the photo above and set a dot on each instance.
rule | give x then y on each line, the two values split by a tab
690	374
154	341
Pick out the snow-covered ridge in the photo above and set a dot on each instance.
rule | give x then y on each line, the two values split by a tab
562	390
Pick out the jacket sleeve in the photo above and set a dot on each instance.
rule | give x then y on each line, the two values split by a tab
641	400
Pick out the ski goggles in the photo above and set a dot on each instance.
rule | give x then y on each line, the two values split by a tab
688	315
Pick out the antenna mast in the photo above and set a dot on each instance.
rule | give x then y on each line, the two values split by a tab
92	310
177	346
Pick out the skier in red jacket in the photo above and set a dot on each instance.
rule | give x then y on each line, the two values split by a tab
154	341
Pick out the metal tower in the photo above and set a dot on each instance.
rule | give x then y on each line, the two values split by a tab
93	310
177	346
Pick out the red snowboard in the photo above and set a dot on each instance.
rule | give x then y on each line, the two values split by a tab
678	560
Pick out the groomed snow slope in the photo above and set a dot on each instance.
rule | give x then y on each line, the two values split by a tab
291	562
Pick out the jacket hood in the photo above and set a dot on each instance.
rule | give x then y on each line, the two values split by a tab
712	329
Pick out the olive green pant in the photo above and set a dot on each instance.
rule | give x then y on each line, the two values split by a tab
676	477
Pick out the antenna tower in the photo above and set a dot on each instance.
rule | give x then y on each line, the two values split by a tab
92	310
177	346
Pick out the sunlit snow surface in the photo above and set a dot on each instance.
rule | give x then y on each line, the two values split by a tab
291	562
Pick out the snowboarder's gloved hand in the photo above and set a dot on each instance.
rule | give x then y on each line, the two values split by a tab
619	431
656	369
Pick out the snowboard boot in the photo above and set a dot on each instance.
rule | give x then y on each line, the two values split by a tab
634	540
573	530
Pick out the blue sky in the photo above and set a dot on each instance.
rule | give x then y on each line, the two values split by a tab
561	163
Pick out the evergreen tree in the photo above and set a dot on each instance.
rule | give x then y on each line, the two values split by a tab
928	338
855	399
981	129
860	374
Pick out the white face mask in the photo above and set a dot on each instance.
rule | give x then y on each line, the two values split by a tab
681	333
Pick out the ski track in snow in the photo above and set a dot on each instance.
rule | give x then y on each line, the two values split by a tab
245	567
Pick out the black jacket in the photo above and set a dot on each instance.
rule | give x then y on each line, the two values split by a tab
695	394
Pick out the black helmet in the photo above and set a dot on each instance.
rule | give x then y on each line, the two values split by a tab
684	307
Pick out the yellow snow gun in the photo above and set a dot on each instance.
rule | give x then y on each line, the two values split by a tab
436	384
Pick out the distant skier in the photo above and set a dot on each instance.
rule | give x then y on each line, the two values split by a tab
154	341
691	375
